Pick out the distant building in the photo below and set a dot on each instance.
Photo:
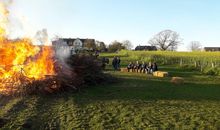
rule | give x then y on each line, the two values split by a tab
70	45
212	48
74	42
145	48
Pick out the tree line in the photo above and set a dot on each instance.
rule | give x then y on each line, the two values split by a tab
166	40
112	47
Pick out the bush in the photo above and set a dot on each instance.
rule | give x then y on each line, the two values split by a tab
89	69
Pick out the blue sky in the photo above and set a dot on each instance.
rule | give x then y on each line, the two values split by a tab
134	20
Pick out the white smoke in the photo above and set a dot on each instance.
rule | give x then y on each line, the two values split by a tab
41	37
17	26
9	20
62	53
4	16
62	50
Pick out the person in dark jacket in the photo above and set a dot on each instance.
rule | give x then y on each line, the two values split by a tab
130	67
154	67
114	63
96	53
137	66
118	63
149	68
104	62
143	67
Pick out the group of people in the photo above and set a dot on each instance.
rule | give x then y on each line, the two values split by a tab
136	67
142	68
116	63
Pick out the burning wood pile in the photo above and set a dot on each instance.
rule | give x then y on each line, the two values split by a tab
21	62
26	68
71	74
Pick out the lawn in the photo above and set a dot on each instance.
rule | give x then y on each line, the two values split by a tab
137	101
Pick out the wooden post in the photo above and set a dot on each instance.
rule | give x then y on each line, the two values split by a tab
181	62
195	63
201	67
213	65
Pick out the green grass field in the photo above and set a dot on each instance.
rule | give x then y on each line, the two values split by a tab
197	60
137	101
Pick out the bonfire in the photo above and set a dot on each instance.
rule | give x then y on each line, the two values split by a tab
21	62
27	68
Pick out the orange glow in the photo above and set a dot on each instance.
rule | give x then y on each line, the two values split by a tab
21	59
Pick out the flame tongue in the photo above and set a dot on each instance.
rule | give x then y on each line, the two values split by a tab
20	60
22	57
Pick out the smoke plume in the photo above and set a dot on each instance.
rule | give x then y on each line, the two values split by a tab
41	37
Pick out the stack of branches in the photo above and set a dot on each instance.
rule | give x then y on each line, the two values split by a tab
89	69
13	85
20	85
72	74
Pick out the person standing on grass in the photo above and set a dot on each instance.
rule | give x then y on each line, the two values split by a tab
154	67
104	62
118	63
114	63
96	53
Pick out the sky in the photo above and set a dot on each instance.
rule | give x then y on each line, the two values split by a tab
109	20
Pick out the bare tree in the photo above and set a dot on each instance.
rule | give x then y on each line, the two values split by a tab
195	46
166	40
127	44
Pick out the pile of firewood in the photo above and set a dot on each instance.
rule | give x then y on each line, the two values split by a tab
76	72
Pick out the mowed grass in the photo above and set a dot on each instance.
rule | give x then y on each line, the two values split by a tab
137	101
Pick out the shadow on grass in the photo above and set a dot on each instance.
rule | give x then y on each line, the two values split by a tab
62	110
32	112
58	111
142	89
4	100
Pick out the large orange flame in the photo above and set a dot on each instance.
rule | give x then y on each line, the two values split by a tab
21	57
